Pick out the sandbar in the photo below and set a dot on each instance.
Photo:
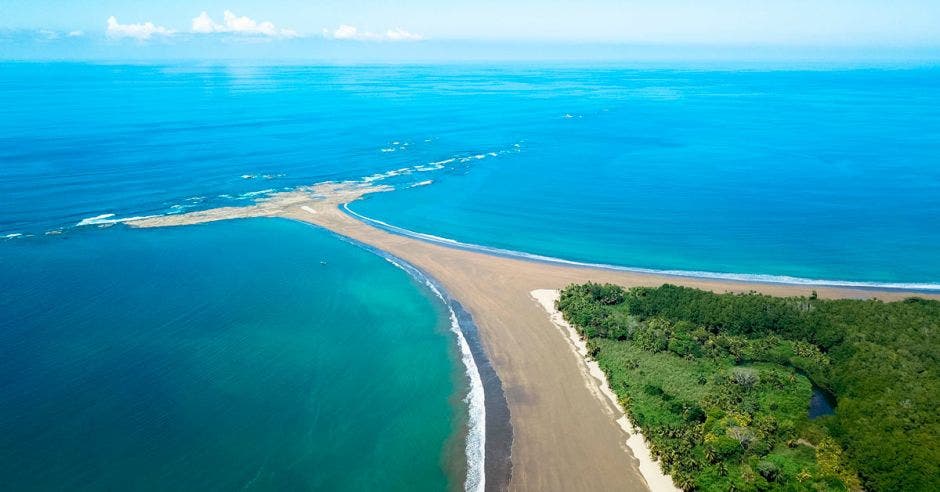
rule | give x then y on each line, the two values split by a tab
565	437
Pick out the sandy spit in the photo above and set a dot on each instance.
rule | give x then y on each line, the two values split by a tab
597	380
565	437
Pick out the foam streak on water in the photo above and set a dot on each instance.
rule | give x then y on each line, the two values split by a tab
107	219
757	171
476	424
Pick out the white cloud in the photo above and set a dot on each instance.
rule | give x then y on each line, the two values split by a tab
204	24
50	35
347	32
142	31
247	25
399	34
344	32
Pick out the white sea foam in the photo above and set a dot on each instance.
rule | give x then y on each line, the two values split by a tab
396	146
181	207
476	425
473	157
386	175
106	220
94	220
430	166
737	277
434	166
12	235
252	194
421	183
248	176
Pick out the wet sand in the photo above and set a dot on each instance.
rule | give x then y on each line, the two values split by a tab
564	437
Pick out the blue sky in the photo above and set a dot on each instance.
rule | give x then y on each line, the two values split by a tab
57	28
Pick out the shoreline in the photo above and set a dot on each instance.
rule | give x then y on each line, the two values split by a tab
742	278
594	376
563	437
494	469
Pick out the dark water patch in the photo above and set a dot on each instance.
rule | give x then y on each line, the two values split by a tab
822	403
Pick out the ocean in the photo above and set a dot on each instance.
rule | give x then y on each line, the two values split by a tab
829	175
227	355
260	355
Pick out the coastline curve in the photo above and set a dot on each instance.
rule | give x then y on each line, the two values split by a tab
744	278
489	430
562	438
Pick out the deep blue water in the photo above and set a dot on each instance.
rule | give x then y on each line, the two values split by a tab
816	174
222	357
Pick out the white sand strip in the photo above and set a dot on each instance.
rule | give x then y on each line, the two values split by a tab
649	467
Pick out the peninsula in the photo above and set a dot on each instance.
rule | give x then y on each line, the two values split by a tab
566	434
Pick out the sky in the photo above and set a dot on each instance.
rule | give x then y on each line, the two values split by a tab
44	29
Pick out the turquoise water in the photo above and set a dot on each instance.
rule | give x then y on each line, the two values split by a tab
814	174
817	175
226	355
222	357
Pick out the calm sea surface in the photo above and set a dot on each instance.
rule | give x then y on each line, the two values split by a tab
222	357
226	355
817	174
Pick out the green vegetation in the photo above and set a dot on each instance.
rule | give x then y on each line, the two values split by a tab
720	384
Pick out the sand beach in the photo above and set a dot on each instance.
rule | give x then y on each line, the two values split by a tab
567	433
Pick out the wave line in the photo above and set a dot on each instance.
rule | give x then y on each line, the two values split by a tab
735	277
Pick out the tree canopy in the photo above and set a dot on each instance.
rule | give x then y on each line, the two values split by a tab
720	385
